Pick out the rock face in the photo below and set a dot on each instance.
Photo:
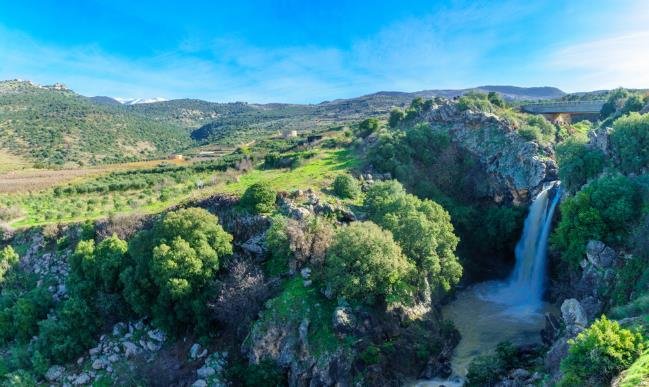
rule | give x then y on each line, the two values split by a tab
574	316
517	167
600	255
599	139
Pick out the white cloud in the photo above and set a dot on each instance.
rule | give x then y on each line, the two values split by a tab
621	60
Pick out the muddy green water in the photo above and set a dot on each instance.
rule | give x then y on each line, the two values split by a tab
484	318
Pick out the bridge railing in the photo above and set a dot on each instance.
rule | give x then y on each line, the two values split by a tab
564	107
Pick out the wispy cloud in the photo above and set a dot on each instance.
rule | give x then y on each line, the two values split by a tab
453	46
621	60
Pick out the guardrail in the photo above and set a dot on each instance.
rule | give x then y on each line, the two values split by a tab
564	107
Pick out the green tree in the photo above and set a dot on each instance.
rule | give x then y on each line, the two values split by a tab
346	187
422	228
599	353
172	268
259	198
602	210
630	142
364	264
578	163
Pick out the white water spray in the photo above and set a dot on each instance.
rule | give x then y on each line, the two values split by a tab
526	284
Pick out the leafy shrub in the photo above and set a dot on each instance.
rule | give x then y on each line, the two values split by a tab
422	228
266	373
496	99
578	163
71	331
367	127
396	117
293	244
602	210
630	142
599	353
8	258
615	101
346	187
475	101
530	133
365	264
259	198
169	277
484	371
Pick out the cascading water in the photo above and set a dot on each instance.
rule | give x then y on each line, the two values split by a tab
525	286
513	310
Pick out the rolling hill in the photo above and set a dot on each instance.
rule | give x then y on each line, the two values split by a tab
55	126
52	125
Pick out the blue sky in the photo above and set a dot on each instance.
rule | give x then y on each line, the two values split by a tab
310	51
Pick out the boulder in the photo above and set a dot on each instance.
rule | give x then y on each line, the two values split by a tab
600	255
200	383
99	364
520	374
195	351
343	320
130	349
574	316
205	372
254	246
54	373
83	378
157	335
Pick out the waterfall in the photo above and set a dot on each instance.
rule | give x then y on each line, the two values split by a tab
527	279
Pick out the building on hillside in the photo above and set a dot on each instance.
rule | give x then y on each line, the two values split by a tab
177	157
289	133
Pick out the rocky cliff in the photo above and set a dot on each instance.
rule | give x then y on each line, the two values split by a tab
517	168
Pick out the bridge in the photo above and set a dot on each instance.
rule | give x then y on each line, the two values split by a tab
566	112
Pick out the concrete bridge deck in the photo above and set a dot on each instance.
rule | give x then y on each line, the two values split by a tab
567	107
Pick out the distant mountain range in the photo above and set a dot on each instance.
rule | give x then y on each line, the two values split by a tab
54	125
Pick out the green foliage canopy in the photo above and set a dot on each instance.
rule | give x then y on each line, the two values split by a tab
599	353
259	198
364	264
422	228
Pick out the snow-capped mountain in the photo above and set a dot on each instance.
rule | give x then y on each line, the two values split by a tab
133	101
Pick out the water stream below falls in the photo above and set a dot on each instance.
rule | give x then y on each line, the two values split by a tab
513	310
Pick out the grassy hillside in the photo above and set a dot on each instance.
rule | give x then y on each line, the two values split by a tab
55	126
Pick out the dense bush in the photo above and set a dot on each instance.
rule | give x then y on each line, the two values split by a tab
8	258
630	142
599	353
578	163
530	133
602	210
487	370
346	187
422	228
367	127
396	116
614	102
172	266
364	264
69	332
296	243
259	198
475	101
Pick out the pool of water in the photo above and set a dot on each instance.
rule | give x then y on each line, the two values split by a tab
487	314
